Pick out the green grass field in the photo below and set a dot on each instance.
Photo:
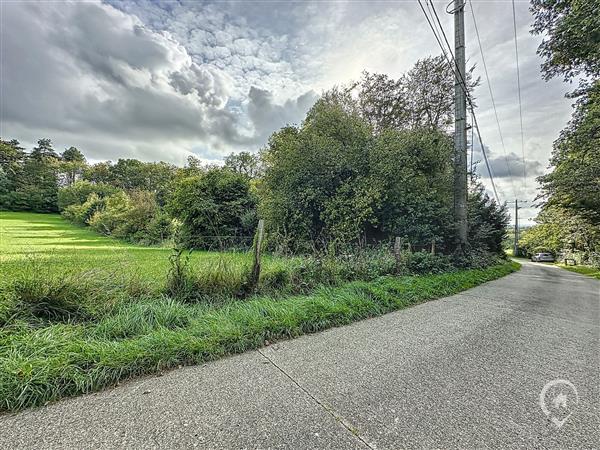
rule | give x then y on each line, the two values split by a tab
50	243
73	318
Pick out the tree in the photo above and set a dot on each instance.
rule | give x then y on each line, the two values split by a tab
312	172
98	173
487	220
12	159
559	230
73	164
429	88
28	182
72	154
421	98
78	192
571	43
217	209
44	150
382	101
245	163
574	184
413	172
132	174
570	217
333	181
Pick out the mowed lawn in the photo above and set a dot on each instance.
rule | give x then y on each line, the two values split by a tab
33	241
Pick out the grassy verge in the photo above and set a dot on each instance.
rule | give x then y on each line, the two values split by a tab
583	270
54	360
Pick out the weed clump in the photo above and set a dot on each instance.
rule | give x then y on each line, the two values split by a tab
38	296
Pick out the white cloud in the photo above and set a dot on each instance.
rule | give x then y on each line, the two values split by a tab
99	75
157	80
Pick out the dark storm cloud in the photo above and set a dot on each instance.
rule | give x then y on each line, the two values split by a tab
506	166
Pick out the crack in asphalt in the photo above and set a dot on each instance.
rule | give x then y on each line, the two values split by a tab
327	408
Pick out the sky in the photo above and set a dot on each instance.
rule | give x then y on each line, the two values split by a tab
163	80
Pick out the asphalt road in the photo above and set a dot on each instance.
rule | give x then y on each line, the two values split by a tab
461	372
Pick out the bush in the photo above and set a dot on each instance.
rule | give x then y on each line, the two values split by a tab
421	263
81	214
488	221
134	217
112	216
79	192
217	209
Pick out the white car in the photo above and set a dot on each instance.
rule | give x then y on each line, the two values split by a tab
542	257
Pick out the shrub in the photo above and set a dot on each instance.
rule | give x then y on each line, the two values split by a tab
425	263
487	221
81	214
159	229
216	209
79	192
134	217
112	216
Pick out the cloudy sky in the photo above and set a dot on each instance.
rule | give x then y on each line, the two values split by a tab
161	80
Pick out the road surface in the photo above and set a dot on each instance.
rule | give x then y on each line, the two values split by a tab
461	372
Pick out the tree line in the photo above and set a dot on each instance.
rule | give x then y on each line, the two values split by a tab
569	220
370	162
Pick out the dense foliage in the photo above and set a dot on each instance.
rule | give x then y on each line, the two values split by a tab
217	209
372	161
30	181
332	181
574	184
571	30
569	222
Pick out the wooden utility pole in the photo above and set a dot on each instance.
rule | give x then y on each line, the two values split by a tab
460	128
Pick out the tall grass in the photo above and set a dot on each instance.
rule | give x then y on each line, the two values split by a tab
86	311
42	364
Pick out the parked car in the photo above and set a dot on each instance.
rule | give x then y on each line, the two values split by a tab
542	257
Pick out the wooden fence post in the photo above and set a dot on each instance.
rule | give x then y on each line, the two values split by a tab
397	248
257	249
433	246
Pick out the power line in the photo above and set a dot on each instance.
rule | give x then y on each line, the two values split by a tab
463	84
468	95
436	32
472	143
485	158
519	91
487	76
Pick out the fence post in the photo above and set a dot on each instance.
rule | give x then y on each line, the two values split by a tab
397	248
433	246
257	248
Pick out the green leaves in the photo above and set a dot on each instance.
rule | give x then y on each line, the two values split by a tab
571	44
217	208
336	181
